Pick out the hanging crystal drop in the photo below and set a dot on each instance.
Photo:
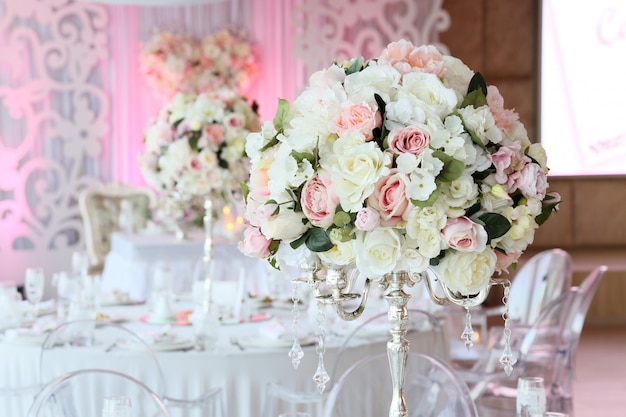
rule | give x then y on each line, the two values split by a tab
468	335
321	377
296	353
507	359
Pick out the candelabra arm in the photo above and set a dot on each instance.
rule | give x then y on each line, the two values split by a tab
352	315
442	301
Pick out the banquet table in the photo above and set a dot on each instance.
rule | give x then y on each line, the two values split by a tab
130	264
242	374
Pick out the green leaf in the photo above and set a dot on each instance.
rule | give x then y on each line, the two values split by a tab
318	240
194	137
432	198
295	244
246	191
452	168
496	225
341	218
472	210
435	261
380	134
477	83
272	142
282	115
356	66
546	211
476	98
274	244
301	156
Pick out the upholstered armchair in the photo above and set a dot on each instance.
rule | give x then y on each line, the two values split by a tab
100	208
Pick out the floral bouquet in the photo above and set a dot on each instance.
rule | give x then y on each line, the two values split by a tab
403	162
196	146
174	63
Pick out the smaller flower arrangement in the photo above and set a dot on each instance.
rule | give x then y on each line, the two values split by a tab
196	146
175	63
404	162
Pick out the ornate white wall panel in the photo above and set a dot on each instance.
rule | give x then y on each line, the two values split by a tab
53	117
343	29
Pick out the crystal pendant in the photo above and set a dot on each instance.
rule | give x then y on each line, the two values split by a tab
296	354
507	359
468	334
321	377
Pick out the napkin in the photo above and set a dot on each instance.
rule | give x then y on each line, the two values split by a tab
272	329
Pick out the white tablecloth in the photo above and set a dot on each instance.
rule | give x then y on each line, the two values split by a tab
242	374
130	264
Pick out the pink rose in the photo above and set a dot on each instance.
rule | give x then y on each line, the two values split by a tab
195	164
389	198
409	139
532	181
405	58
504	260
319	200
214	133
235	121
367	219
505	119
264	211
256	200
357	117
464	235
505	160
254	243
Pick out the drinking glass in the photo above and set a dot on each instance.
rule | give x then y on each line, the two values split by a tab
34	286
117	407
10	311
80	263
294	414
531	397
67	289
206	330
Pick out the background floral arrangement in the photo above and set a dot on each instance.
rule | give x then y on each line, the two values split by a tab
175	63
403	162
196	146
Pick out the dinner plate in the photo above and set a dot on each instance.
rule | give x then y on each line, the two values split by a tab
101	320
157	320
164	346
266	342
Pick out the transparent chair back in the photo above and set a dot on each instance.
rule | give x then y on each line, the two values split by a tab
537	283
81	393
431	389
423	329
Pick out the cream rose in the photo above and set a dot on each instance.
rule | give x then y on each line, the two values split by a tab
287	225
357	117
378	251
467	272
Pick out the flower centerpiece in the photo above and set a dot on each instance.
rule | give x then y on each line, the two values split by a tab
401	163
195	148
175	63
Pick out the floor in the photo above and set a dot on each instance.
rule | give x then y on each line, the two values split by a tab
600	385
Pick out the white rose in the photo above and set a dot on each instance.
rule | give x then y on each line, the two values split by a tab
467	272
403	113
412	261
256	140
430	242
378	251
456	75
424	217
439	100
286	225
292	257
538	153
327	77
176	157
462	192
361	86
355	166
342	253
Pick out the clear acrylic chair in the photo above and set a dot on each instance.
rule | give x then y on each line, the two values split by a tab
139	361
539	281
278	398
82	393
547	349
431	388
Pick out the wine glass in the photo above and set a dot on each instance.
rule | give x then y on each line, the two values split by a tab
531	397
34	286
